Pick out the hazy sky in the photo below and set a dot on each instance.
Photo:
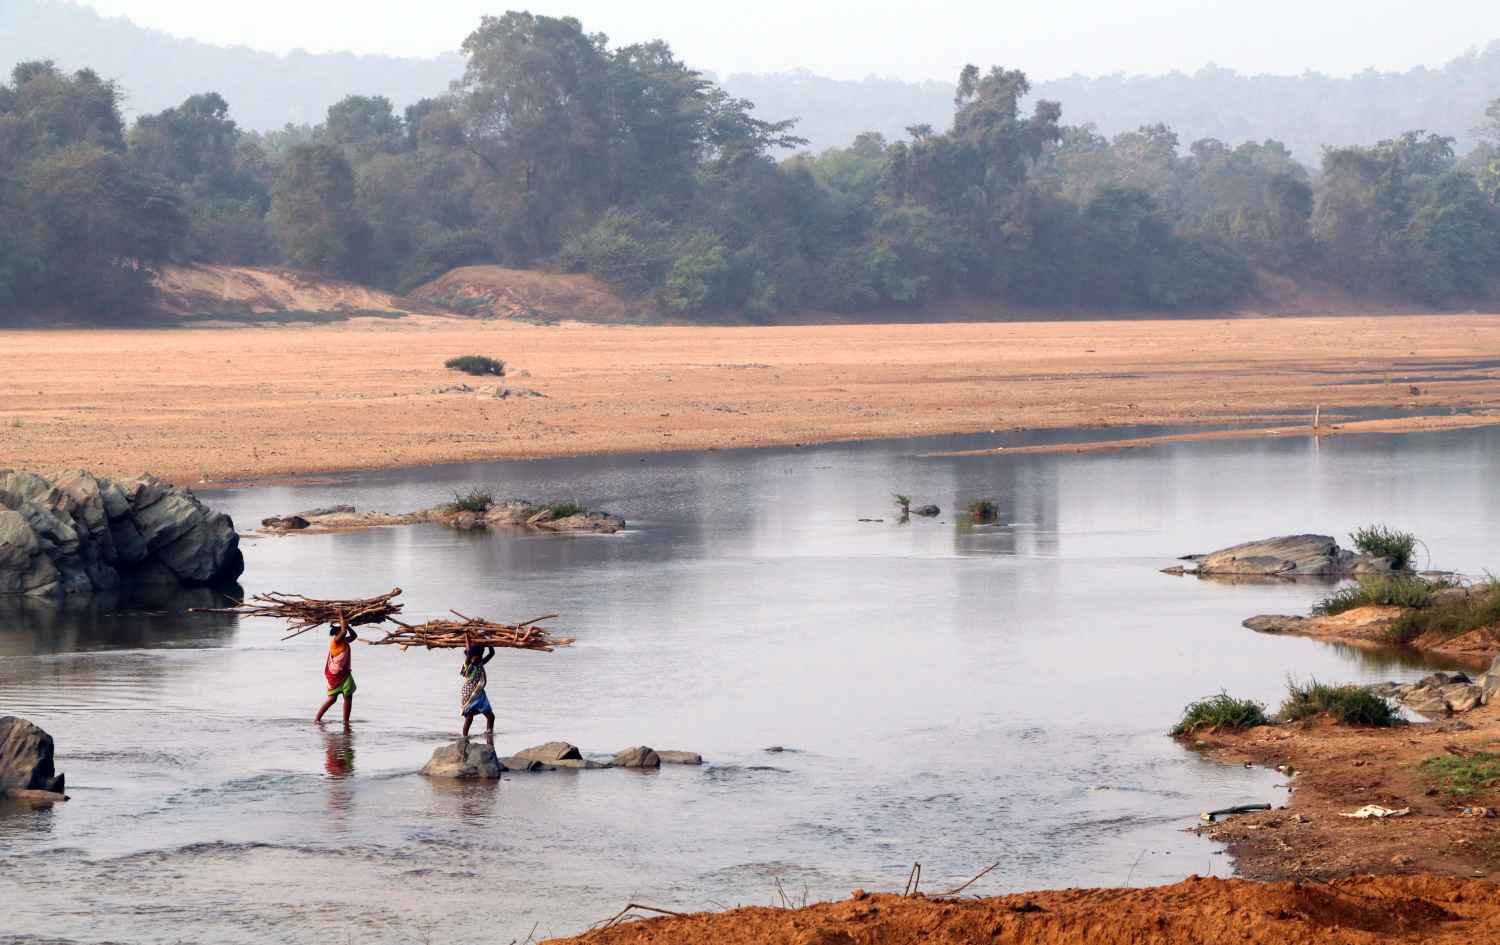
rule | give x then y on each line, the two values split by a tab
849	39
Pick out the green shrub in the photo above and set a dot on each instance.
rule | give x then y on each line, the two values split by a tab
983	510
476	364
1382	542
1397	590
1463	775
1347	705
1220	712
565	509
903	501
1479	608
475	500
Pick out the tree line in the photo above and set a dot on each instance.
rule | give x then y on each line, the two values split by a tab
558	150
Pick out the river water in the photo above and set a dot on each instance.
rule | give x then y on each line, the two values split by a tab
946	694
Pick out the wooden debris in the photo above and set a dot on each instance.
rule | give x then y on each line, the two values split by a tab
467	631
305	613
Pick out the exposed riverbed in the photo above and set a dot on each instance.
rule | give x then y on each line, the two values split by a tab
950	694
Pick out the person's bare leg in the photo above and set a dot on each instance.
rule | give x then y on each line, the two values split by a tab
327	704
468	720
348	705
489	724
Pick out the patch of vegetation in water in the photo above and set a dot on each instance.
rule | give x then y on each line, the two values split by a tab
1382	542
477	501
1397	590
1452	618
1347	704
565	509
1219	713
1463	775
983	511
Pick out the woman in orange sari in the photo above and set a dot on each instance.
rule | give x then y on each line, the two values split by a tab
338	670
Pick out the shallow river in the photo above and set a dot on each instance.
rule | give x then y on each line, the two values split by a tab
946	694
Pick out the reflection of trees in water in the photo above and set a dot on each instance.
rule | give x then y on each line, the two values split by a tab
119	619
1396	658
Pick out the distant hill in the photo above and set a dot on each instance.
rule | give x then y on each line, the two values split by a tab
266	91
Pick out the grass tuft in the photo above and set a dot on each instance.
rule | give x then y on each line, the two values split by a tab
1347	705
1463	775
1382	542
1220	712
565	509
476	364
904	501
1399	590
475	500
1479	608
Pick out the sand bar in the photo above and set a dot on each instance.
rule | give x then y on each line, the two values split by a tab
248	402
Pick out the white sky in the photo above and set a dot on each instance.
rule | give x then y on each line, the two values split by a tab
856	38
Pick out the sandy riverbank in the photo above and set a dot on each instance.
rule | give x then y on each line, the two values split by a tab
266	401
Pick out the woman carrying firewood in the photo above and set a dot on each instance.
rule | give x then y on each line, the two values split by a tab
471	697
338	670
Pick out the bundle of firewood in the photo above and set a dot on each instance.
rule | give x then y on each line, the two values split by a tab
305	613
473	631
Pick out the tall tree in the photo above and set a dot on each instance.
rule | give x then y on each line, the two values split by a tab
313	212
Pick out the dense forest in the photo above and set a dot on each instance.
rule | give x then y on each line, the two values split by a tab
557	150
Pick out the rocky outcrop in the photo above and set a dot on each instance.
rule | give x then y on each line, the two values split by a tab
680	757
79	533
1444	693
26	759
638	757
551	753
1286	556
465	760
510	514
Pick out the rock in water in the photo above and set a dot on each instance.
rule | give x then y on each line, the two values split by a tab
680	757
466	760
1288	556
26	758
80	533
638	757
551	752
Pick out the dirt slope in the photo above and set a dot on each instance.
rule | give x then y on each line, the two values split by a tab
233	292
1386	910
498	292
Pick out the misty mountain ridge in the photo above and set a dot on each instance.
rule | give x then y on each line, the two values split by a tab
267	91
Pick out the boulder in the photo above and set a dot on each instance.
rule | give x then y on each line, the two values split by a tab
26	758
465	760
1287	556
638	757
80	533
551	753
927	511
1273	623
523	764
680	757
1437	694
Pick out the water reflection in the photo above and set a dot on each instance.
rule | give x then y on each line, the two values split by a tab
147	616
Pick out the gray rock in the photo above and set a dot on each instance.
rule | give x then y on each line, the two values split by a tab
465	760
637	757
26	758
927	511
580	764
680	757
1288	556
85	534
1273	623
321	511
551	753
